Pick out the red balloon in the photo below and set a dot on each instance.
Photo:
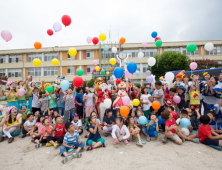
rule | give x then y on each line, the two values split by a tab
175	115
95	40
77	81
100	69
94	70
118	81
49	32
157	38
66	20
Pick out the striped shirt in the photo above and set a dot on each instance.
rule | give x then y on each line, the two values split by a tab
71	140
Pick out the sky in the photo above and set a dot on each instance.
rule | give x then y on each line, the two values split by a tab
174	20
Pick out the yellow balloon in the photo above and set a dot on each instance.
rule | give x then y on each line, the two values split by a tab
55	61
72	52
112	61
102	36
136	102
97	68
36	62
107	73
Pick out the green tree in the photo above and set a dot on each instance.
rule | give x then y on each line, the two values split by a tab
91	83
169	61
205	64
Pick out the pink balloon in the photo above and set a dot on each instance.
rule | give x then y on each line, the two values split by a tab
176	99
89	39
144	44
95	62
128	74
6	35
193	66
125	100
21	92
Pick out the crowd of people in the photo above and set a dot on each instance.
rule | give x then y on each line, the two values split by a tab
58	118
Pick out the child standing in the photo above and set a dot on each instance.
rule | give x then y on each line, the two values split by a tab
61	105
79	102
52	101
43	103
152	129
194	95
183	100
108	122
35	99
28	125
77	123
144	99
168	99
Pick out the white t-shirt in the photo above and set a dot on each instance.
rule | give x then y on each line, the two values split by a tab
145	98
89	101
30	124
35	101
157	93
78	123
120	132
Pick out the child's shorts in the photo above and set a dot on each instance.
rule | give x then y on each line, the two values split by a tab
211	142
193	107
150	133
90	142
65	149
174	137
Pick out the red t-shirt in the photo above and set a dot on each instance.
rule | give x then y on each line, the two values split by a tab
59	130
203	132
169	100
134	95
168	123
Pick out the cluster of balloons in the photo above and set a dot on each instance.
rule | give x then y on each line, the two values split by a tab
6	35
184	122
158	41
95	40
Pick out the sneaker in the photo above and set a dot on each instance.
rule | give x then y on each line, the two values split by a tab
139	143
153	138
85	136
114	142
105	134
56	145
148	138
126	142
143	142
164	140
49	144
89	148
67	158
23	135
38	145
76	155
2	139
103	145
10	140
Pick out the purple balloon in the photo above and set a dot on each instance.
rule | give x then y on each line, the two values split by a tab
6	35
111	78
116	62
148	72
57	26
149	79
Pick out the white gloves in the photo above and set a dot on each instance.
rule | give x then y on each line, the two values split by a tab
104	88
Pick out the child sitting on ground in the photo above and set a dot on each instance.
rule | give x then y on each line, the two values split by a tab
93	114
213	124
108	122
50	116
138	113
55	114
153	112
194	117
120	132
39	125
77	123
152	129
71	140
94	140
36	115
28	125
24	111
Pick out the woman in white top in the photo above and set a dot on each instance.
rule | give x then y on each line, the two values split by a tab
144	99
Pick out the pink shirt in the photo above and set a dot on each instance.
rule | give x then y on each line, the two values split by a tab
169	123
40	126
44	133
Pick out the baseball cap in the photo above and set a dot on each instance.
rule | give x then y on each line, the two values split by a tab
181	87
74	115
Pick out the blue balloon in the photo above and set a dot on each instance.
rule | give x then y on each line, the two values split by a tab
118	72
137	72
142	120
160	121
131	67
154	34
106	48
185	122
64	85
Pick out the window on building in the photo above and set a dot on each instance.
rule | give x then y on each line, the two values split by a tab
177	50
50	56
190	54
144	67
70	70
70	58
89	54
138	81
35	72
2	71
89	70
14	72
51	71
150	52
2	59
15	59
215	51
31	57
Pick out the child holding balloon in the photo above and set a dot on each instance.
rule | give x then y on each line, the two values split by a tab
152	128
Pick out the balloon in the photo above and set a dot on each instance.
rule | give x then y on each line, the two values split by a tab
66	20
151	61
112	61
136	102
64	85
176	99
107	73
111	78
77	81
161	121
175	115
140	55
94	70
137	72
122	40
57	26
157	38
72	52
156	105
105	48
126	100
6	35
118	72
209	46
114	49
89	39
49	32
154	34
124	111
107	103
159	43
36	62
111	69
102	36
55	61
97	68
37	45
117	62
118	81
95	62
148	72
49	89
129	75
125	62
187	132
102	71
144	44
80	72
142	120
169	76
131	67
191	47
193	66
149	79
185	122
95	40
21	92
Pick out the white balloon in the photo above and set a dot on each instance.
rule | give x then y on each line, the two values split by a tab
209	46
151	61
107	103
114	49
169	76
140	55
187	132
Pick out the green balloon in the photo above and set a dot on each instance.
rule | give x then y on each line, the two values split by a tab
80	72
159	43
49	89
191	47
102	71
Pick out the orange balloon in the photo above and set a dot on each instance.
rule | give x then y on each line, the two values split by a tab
122	40
124	110
156	105
37	45
111	69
